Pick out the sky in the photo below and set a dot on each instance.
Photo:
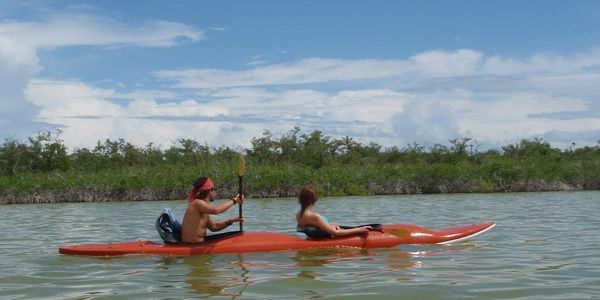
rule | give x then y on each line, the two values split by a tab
223	72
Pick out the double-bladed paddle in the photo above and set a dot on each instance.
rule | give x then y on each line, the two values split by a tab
399	232
241	173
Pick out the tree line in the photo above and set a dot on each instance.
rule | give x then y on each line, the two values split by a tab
278	165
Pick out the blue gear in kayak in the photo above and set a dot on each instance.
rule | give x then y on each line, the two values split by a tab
313	232
168	227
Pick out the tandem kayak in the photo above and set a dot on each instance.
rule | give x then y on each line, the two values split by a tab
255	241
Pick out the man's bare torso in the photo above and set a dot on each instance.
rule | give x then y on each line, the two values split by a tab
194	224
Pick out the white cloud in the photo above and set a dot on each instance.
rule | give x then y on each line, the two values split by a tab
426	123
60	99
77	29
15	55
88	114
309	70
366	105
463	68
582	84
148	95
233	116
462	62
148	108
508	117
19	63
427	98
445	93
544	63
428	65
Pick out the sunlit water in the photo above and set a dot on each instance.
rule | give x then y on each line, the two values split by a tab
545	246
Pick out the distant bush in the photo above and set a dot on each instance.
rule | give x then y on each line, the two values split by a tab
279	166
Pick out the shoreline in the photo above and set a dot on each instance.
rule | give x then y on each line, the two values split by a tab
86	195
279	166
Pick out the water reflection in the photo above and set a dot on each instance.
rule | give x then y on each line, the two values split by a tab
396	259
207	275
387	259
323	257
365	262
230	275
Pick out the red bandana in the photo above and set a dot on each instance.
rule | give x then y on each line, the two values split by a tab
208	184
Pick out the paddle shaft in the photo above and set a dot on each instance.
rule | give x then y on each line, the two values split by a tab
240	193
399	232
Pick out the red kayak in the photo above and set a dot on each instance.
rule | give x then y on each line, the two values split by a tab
252	241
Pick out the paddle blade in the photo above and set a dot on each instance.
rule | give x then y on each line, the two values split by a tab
399	232
242	167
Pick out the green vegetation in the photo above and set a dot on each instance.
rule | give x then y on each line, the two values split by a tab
43	170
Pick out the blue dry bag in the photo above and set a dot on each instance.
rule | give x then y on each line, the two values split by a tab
168	227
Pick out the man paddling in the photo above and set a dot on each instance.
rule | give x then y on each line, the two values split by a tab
197	214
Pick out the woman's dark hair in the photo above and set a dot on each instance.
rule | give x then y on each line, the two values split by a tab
308	196
197	184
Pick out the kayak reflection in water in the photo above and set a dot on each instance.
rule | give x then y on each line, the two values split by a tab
313	224
197	219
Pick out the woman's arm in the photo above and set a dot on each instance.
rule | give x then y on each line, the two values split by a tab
317	221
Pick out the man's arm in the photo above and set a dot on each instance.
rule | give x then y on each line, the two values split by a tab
220	225
206	208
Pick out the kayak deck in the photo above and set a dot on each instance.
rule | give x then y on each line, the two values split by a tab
256	241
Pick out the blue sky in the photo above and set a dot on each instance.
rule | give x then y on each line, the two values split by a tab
222	72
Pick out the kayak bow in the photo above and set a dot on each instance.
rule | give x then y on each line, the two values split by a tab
255	241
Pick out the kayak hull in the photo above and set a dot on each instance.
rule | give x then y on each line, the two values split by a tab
256	241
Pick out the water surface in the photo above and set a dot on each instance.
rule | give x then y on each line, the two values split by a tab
545	246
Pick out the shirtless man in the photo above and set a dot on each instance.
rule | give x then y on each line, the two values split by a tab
197	219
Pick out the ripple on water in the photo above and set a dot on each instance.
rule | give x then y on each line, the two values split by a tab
544	247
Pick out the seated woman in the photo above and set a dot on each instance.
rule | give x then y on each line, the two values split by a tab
315	225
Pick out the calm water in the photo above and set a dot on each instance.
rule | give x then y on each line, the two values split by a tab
545	246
